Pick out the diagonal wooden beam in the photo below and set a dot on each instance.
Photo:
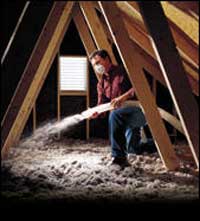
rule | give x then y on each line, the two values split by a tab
133	65
171	119
189	7
84	33
173	72
35	74
96	28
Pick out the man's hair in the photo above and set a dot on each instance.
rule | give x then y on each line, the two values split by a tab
102	53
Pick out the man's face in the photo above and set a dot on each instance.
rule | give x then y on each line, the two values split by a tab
96	60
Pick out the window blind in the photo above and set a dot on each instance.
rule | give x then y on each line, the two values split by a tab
73	73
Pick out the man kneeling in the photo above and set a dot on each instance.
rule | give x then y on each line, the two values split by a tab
125	122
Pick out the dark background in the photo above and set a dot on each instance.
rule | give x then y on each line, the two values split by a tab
46	104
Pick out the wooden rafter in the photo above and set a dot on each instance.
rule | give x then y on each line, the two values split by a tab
170	63
35	74
84	32
133	66
189	7
96	28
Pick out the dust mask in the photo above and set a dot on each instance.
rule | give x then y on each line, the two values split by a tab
100	69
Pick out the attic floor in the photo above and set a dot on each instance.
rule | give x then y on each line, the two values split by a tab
72	170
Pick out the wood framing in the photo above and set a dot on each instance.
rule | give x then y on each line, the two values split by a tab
96	28
172	120
84	93
35	74
152	66
173	72
84	33
142	45
14	32
133	66
58	87
189	7
88	104
144	42
34	117
184	43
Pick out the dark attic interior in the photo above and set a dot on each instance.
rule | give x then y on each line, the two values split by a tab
53	148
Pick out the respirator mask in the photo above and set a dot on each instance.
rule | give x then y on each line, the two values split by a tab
100	69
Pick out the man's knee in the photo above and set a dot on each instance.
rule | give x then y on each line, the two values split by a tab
113	116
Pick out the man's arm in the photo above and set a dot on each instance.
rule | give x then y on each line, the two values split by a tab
118	101
99	92
99	99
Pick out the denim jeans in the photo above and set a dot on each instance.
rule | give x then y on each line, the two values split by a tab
125	130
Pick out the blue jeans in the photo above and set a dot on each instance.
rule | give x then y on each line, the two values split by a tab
124	130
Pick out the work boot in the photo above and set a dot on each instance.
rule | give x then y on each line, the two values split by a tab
121	161
148	147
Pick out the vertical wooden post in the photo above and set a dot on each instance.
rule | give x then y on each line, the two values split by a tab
173	72
58	135
34	117
88	104
133	66
58	87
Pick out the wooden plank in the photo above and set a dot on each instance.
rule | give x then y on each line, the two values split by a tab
14	32
154	88
88	104
73	93
96	28
58	88
173	72
133	65
84	33
34	117
189	7
35	73
172	120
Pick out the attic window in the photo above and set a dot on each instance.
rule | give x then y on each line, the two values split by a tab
73	73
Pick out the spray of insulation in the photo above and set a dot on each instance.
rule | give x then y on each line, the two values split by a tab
43	134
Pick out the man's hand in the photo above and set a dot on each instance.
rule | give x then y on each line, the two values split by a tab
116	102
94	115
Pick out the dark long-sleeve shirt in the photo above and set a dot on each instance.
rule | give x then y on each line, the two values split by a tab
114	85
